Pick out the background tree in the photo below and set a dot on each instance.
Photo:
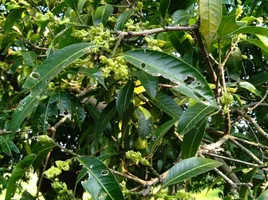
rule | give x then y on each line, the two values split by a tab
134	99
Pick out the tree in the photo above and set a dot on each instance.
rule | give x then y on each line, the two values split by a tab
134	99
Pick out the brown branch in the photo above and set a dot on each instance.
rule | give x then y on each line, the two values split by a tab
248	152
130	34
206	56
258	103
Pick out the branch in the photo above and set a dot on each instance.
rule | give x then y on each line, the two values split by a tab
130	34
254	123
206	56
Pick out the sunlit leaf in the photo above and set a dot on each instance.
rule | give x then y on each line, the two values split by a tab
210	16
187	79
189	168
263	196
228	25
106	186
252	30
40	78
248	86
17	174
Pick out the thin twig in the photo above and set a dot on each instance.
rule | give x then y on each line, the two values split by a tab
248	152
130	34
257	104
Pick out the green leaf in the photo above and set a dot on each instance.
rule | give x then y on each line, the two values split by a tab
258	78
247	177
12	17
187	79
210	16
164	4
106	186
96	4
41	149
124	96
145	122
123	18
257	43
189	168
72	4
80	176
181	17
29	57
159	133
167	104
263	196
234	64
192	116
5	146
102	14
69	105
105	117
17	174
40	78
251	88
252	30
150	83
228	25
192	140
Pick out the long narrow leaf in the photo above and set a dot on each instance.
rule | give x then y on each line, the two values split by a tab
192	140
107	185
210	15
188	80
124	97
17	174
189	168
159	133
40	78
193	116
102	14
123	18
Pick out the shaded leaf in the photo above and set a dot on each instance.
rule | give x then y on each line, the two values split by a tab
159	133
17	174
80	176
210	16
102	14
248	86
72	4
106	186
7	145
150	83
247	178
167	104
105	117
181	17
192	116
192	140
29	57
145	122
258	78
164	4
41	149
40	78
122	19
69	105
11	19
187	79
124	96
96	4
234	64
189	168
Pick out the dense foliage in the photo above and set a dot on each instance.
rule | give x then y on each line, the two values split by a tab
153	99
